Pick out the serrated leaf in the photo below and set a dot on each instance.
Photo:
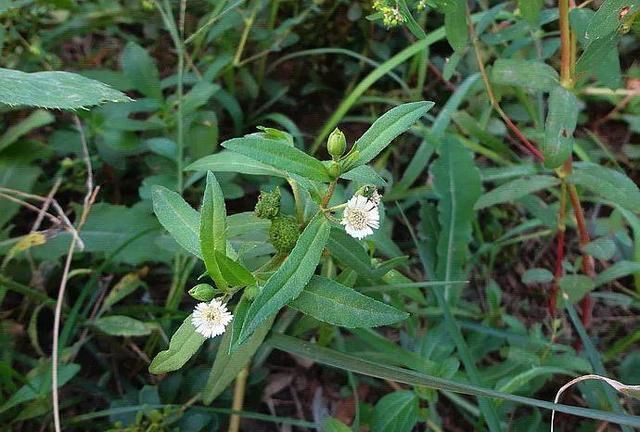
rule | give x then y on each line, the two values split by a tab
229	363
456	181
537	275
386	128
397	411
233	273
54	90
336	304
213	227
228	161
279	155
141	70
177	217
184	343
559	127
609	184
120	325
515	189
292	276
529	74
576	286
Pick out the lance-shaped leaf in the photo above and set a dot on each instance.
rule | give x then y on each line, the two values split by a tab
455	23
336	304
177	217
235	274
607	183
184	343
559	127
387	128
290	279
55	90
529	74
280	155
456	181
228	161
213	228
515	189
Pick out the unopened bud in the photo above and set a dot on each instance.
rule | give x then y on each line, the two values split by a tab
203	292
336	144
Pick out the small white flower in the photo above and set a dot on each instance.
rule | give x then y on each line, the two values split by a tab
360	217
375	197
210	319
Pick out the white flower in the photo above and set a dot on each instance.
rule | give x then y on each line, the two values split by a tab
210	319
360	217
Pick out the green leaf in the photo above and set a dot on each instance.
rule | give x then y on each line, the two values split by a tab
350	253
515	383
364	174
537	275
54	90
336	304
228	161
356	364
607	19
618	270
601	59
386	128
331	424
515	189
455	24
603	248
559	127
397	411
35	120
529	74
213	227
609	184
456	181
184	343
530	10
177	217
279	155
141	70
229	363
120	325
233	273
292	276
576	286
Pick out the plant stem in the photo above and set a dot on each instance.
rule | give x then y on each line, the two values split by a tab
565	44
329	194
238	399
560	241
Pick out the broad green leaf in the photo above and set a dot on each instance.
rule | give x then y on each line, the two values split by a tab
213	227
515	189
397	411
54	90
559	127
386	128
39	383
228	161
601	59
120	325
35	120
455	24
141	70
356	364
336	304
576	286
233	273
618	270
537	275
177	217
292	276
609	184
607	18
279	155
229	363
603	248
184	343
529	74
530	10
456	182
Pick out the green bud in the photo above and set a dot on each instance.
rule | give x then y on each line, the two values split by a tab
251	292
268	205
334	170
284	233
203	292
336	144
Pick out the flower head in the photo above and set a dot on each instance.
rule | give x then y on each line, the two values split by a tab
360	217
210	319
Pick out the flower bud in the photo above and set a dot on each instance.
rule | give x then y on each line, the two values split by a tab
336	144
268	205
284	233
334	170
202	292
